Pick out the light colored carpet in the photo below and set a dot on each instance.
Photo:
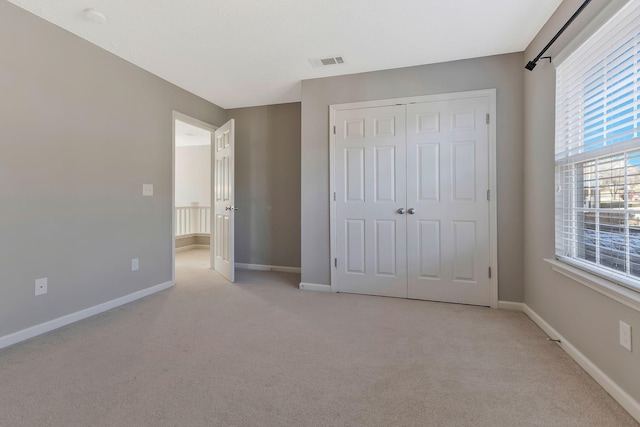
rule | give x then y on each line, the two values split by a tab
263	353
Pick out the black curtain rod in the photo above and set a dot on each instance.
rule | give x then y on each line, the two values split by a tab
532	64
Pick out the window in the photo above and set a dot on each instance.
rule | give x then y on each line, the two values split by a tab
598	151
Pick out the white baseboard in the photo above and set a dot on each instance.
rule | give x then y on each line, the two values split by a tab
260	267
622	397
314	287
191	236
188	248
509	305
42	328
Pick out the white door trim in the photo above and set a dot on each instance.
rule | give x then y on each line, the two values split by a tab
493	203
176	115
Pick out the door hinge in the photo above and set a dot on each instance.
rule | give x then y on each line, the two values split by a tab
334	130
489	272
334	196
488	195
335	262
488	120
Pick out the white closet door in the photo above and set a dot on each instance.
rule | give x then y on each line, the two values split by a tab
370	184
448	241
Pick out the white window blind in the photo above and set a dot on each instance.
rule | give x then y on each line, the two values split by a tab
598	151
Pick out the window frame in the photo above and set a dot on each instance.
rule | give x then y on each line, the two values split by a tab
625	287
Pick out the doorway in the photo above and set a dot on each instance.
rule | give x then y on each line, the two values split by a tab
411	212
192	189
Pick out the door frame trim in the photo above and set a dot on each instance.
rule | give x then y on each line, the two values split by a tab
490	94
176	115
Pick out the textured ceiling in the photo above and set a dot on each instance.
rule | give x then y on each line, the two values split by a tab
238	53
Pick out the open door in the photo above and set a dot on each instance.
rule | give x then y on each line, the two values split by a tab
223	213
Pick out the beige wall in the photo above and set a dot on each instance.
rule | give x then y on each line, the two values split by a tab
80	131
503	72
587	319
268	184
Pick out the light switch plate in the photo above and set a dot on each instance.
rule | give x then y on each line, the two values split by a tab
147	189
41	286
135	264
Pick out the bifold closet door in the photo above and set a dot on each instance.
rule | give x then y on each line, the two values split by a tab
448	245
370	185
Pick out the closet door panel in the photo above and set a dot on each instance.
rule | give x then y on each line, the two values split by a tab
447	178
370	184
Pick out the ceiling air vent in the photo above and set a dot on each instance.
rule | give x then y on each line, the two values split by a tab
323	62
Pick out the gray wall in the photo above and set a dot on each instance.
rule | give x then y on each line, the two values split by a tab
80	132
502	72
267	184
584	317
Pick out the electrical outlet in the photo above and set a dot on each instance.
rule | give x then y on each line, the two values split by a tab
41	286
135	264
147	189
625	335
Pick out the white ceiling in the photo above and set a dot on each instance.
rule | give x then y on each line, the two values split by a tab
238	53
188	135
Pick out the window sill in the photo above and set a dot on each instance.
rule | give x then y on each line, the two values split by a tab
612	290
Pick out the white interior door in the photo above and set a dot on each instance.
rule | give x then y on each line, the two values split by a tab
370	184
411	210
224	207
448	244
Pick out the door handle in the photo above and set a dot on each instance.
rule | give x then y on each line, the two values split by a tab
230	208
401	211
411	211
